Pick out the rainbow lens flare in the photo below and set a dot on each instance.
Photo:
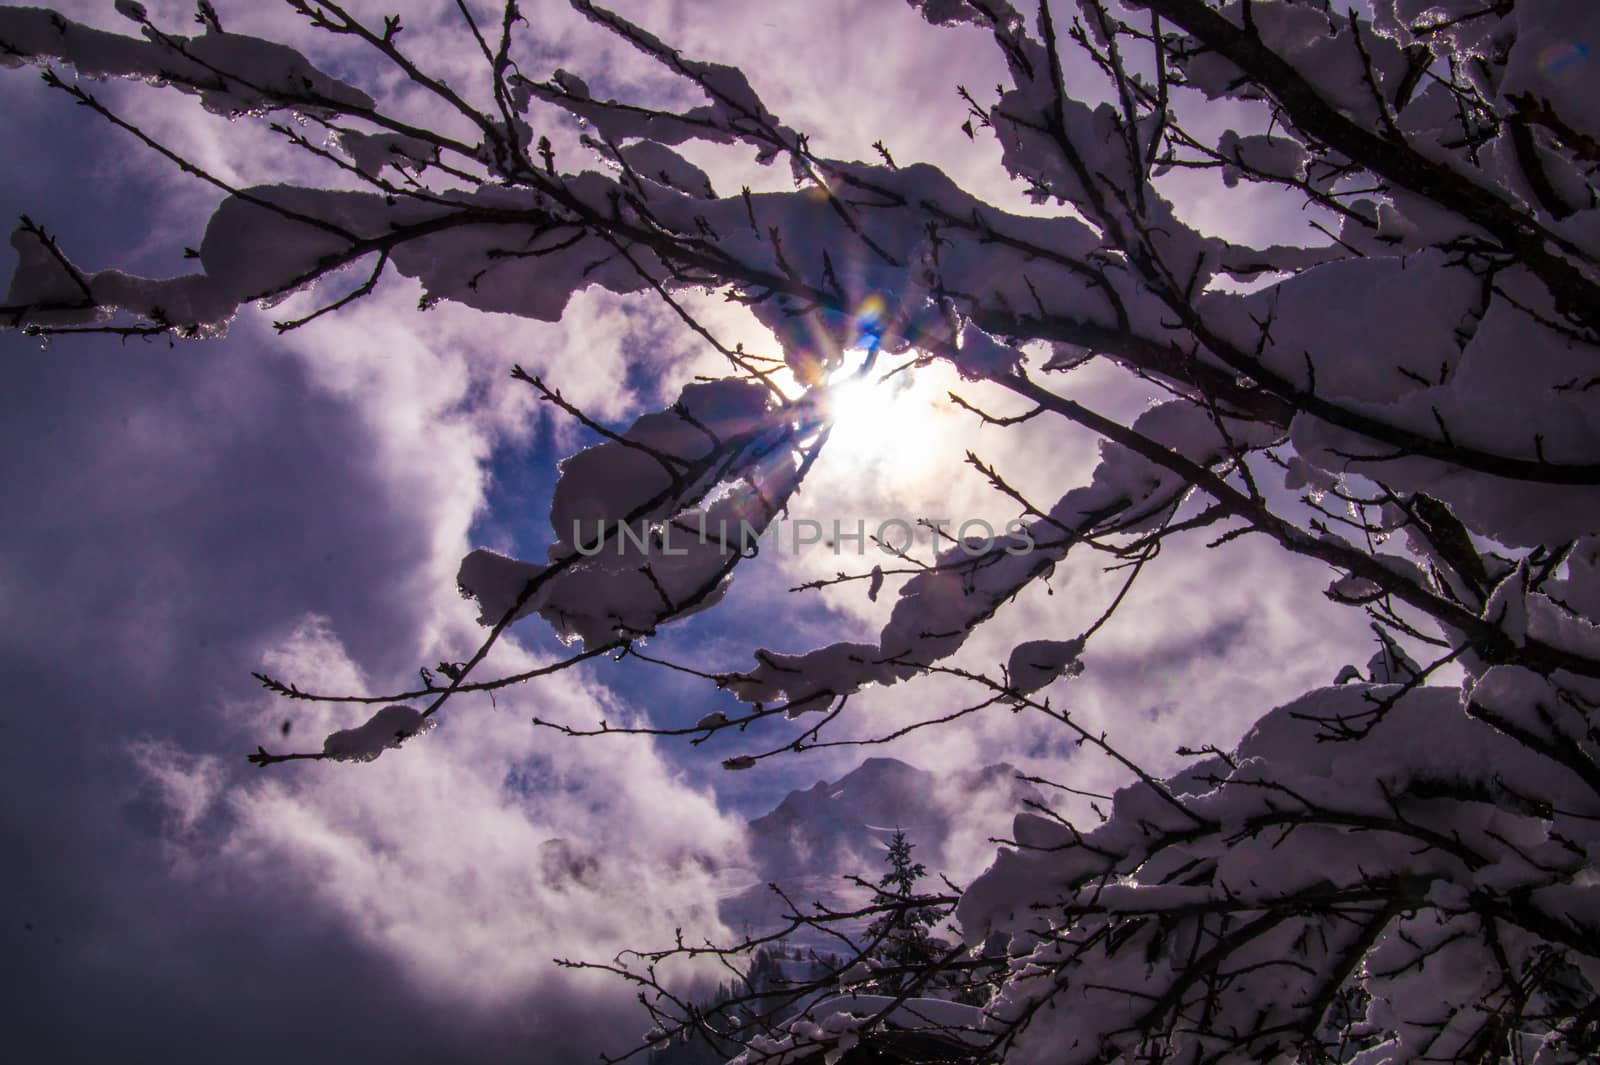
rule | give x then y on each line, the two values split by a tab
1562	59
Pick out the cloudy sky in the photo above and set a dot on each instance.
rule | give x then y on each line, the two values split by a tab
179	516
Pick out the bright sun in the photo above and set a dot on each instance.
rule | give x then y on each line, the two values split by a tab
897	426
886	424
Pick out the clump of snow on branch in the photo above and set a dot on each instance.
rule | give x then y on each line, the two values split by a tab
385	730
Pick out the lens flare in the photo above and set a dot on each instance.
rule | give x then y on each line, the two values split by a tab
1562	60
869	321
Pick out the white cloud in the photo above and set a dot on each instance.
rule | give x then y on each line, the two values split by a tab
472	856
